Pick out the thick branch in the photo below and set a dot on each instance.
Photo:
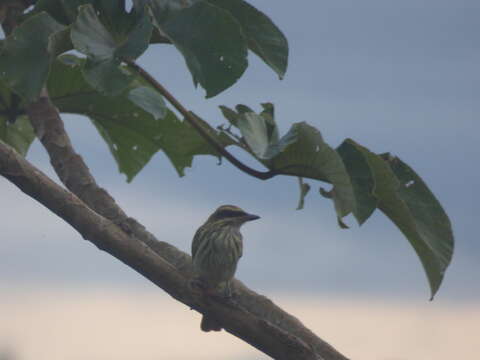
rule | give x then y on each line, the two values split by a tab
279	338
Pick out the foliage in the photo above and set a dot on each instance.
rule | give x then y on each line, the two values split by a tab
129	111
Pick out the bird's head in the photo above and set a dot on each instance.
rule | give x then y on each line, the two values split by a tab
231	215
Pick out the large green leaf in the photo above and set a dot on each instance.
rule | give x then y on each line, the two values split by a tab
106	47
406	200
264	38
132	133
210	39
28	52
419	215
178	140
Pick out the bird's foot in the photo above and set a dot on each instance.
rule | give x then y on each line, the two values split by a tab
225	295
198	284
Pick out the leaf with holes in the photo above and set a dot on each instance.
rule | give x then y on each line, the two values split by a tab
210	40
408	202
410	205
264	38
132	134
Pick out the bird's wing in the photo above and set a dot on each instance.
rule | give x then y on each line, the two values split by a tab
240	246
196	240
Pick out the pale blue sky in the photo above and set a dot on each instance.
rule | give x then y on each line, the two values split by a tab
395	76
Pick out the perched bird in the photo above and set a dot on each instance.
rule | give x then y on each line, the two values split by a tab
216	248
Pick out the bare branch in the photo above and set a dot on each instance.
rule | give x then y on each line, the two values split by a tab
274	332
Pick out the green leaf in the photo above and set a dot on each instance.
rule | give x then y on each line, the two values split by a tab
361	178
259	131
63	11
264	38
408	202
18	135
128	140
243	109
59	43
107	76
128	130
149	100
163	10
132	134
182	142
15	128
307	155
230	115
211	41
255	131
106	48
137	40
27	54
90	37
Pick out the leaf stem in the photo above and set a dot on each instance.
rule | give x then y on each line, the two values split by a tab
193	121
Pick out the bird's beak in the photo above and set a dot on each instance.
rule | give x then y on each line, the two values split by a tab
250	217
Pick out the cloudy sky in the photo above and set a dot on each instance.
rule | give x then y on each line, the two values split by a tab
395	76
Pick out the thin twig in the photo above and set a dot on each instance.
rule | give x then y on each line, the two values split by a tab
193	121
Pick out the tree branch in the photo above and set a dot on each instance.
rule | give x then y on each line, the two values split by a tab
275	332
192	120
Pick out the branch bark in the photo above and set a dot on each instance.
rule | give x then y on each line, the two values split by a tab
252	317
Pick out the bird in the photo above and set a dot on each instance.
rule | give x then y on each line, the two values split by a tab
216	248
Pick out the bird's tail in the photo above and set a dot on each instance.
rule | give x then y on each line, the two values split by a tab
208	324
